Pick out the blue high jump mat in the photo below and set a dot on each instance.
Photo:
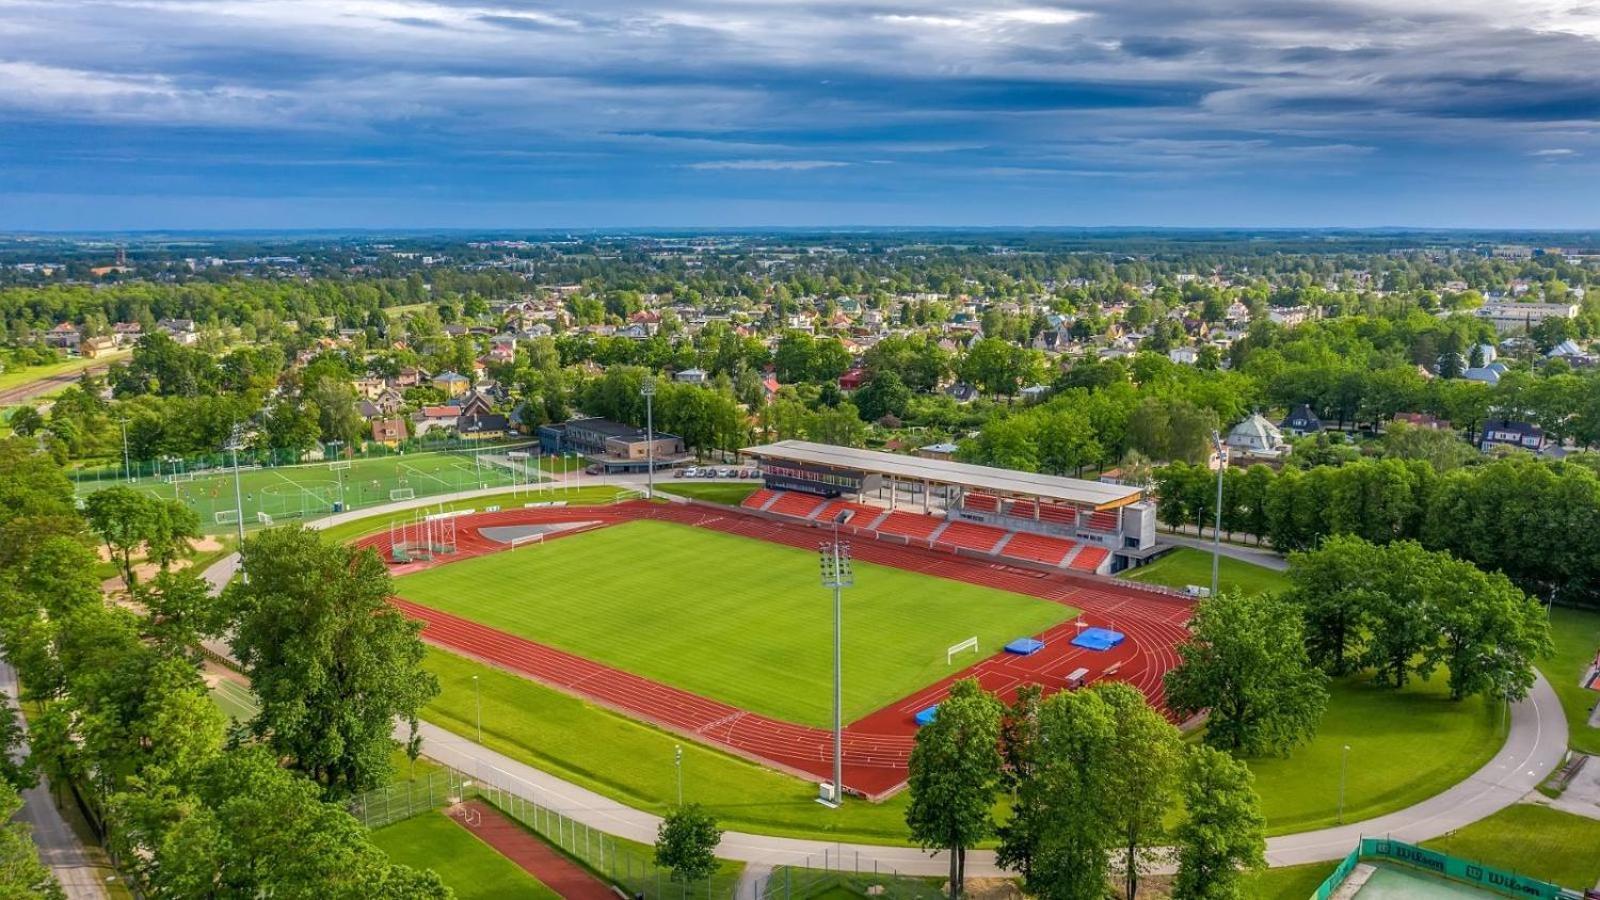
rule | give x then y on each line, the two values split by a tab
1025	646
926	716
1098	639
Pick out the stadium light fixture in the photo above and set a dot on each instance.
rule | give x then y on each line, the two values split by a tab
837	574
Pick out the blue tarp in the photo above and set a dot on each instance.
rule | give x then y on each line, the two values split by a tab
926	716
1097	639
1025	646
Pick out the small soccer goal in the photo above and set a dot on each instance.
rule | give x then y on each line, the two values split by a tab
339	465
180	478
226	516
970	643
403	494
527	539
263	518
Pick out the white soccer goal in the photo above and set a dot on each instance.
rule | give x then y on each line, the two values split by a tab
226	516
180	477
970	643
527	539
263	518
403	494
338	465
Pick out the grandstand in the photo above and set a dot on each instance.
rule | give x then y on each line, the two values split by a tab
1071	523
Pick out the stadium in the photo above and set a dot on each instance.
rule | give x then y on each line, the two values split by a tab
710	621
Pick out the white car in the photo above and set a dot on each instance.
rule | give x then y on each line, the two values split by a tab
691	472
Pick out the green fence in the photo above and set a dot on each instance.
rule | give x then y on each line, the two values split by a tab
1462	870
803	882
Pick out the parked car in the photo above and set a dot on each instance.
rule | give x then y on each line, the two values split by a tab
677	473
691	472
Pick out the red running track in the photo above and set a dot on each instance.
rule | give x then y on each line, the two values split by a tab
877	747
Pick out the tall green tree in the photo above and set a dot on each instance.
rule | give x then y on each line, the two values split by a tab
1245	662
1222	835
686	843
333	664
955	774
1149	754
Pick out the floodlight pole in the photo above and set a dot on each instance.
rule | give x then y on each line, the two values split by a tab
238	492
1216	530
127	471
477	702
837	575
677	761
648	391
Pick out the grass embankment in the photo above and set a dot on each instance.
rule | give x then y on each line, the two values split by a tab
1577	638
471	868
641	596
356	528
1533	840
17	377
711	492
1185	566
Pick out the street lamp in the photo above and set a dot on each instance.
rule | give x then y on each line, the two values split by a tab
1344	767
648	392
837	575
1216	530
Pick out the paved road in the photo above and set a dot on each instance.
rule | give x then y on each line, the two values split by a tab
81	870
1258	556
1536	743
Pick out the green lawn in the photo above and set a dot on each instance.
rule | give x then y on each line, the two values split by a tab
1405	746
301	492
17	377
632	762
1577	637
471	868
711	492
1533	840
357	528
756	634
1287	883
1185	566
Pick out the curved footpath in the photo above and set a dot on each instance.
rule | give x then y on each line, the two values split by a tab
1535	745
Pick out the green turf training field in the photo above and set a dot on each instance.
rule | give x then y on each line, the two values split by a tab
309	491
1577	637
471	868
735	619
1185	566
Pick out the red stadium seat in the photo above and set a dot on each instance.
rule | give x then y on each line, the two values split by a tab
795	503
1089	559
1037	548
911	525
971	536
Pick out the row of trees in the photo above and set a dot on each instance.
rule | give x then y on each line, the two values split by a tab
1535	521
1092	776
125	717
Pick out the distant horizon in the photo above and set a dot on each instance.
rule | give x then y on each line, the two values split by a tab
503	232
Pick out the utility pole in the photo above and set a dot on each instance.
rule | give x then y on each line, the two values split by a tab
648	391
1216	530
837	575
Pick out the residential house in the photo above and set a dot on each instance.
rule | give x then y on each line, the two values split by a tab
432	418
482	426
1256	436
64	336
961	392
180	330
1423	420
388	432
1508	433
1301	421
853	379
125	333
1185	356
408	377
1511	316
1489	374
95	346
937	451
690	376
453	384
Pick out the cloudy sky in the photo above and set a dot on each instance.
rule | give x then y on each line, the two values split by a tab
507	113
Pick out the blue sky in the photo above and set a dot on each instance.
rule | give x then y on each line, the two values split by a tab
127	114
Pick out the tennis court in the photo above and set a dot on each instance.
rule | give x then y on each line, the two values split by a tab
269	496
1399	883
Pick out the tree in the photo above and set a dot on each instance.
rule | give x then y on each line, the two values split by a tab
687	843
1246	663
955	773
1330	588
332	663
22	875
1223	831
1149	753
883	394
26	421
124	518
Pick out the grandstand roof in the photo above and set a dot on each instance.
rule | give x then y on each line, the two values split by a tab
939	471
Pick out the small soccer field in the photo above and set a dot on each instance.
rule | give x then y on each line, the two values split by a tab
471	868
732	618
288	493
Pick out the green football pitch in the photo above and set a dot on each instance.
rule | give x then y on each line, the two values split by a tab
273	495
731	618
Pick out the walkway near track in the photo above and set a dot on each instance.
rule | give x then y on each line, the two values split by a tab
537	858
1535	744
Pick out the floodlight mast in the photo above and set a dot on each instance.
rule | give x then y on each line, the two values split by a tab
837	575
648	391
1216	530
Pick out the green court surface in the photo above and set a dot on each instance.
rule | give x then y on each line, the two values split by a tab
1405	746
1185	566
235	700
471	868
735	619
1400	883
294	493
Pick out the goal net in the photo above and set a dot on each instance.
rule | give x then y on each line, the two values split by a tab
180	477
263	518
403	494
527	539
226	516
970	643
339	465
